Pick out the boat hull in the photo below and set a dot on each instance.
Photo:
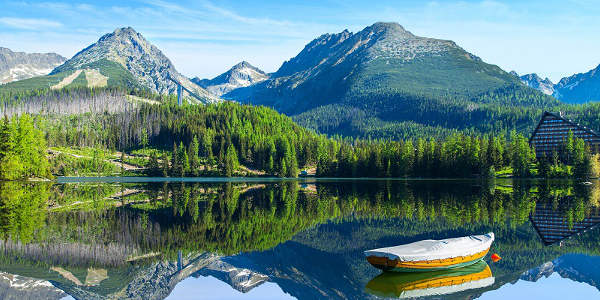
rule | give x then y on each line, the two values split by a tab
387	264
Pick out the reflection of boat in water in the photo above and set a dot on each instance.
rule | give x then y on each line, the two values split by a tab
432	255
423	284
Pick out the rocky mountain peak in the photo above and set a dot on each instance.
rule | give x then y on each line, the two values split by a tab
125	31
241	65
534	81
389	28
148	65
535	77
242	74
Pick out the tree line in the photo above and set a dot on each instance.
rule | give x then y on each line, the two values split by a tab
22	149
217	139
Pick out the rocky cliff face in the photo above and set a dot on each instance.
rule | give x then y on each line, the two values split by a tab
20	65
241	75
534	81
148	65
579	88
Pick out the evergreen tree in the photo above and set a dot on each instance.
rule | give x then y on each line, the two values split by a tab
231	162
165	165
153	165
193	157
183	162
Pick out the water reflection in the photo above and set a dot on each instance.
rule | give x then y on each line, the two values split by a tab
425	284
132	240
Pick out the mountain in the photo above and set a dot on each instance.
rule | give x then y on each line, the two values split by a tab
123	58
577	267
20	287
20	65
384	82
579	88
534	81
241	75
241	279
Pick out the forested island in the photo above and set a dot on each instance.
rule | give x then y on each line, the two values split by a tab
150	135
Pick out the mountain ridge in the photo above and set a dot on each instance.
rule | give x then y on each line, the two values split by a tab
384	81
148	65
534	81
580	87
16	66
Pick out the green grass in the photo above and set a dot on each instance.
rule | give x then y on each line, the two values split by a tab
79	82
86	151
149	151
117	75
137	161
505	172
91	162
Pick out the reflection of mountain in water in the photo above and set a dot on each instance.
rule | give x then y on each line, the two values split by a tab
240	279
577	267
152	281
15	287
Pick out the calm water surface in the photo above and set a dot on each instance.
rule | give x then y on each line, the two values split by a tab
294	239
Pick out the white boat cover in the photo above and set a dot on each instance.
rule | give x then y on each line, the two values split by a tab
436	249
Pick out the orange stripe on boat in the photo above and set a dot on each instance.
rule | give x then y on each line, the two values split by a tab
424	264
448	281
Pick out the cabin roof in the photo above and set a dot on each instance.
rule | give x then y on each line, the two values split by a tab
559	116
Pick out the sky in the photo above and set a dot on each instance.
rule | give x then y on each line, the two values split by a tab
206	37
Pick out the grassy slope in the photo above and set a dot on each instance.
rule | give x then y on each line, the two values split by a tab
39	82
117	75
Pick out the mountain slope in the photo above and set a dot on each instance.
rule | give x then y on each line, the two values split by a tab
579	88
20	65
129	49
384	81
534	81
240	75
121	59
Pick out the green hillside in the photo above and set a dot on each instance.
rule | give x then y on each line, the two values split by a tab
385	82
116	76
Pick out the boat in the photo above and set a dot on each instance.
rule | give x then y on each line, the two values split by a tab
427	284
432	255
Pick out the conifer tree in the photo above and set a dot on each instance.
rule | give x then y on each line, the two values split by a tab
193	157
231	161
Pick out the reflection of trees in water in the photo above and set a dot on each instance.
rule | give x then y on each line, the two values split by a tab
574	202
22	209
230	218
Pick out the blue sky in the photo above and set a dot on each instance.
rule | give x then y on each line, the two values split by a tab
206	37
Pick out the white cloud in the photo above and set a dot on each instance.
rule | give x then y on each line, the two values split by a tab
247	20
29	24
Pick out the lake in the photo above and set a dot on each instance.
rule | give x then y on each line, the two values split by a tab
110	238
